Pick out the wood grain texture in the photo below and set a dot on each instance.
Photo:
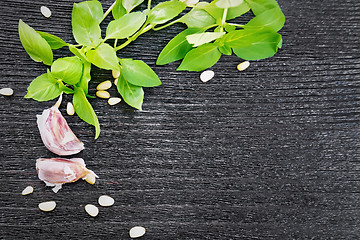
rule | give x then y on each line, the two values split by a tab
269	153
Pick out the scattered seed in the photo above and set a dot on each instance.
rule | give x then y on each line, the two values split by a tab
106	201
28	190
244	65
116	73
6	91
103	94
92	210
207	75
45	11
137	231
70	109
104	86
47	206
116	81
90	178
114	100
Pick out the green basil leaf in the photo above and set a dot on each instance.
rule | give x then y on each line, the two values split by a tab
68	69
104	57
197	18
201	38
260	6
201	58
233	12
131	4
125	26
139	73
272	18
165	11
84	110
253	45
86	77
228	3
54	41
43	88
118	9
132	94
86	29
225	50
93	8
229	28
177	48
35	45
78	52
64	88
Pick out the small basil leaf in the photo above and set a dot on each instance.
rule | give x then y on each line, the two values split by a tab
254	45
272	18
43	88
125	26
118	9
177	48
132	95
139	73
104	57
201	58
77	52
217	12
235	12
36	46
131	4
259	6
201	38
225	50
64	88
86	77
84	110
68	69
165	11
86	29
228	3
93	8
197	18
54	41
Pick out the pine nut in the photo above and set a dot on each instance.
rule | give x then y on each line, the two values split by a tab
45	11
116	81
70	109
207	75
28	190
106	201
114	100
104	86
137	231
115	73
90	178
244	65
47	206
92	210
6	91
103	94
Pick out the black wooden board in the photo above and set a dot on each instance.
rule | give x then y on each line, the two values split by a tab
268	153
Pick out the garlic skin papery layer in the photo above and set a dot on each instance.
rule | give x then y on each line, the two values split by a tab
57	171
56	133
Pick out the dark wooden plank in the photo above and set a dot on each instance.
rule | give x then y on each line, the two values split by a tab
269	153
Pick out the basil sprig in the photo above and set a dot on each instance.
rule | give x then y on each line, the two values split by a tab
211	32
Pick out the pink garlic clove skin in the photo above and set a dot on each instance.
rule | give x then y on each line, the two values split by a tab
57	171
56	133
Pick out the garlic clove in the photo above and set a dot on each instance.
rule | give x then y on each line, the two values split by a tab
56	133
57	171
